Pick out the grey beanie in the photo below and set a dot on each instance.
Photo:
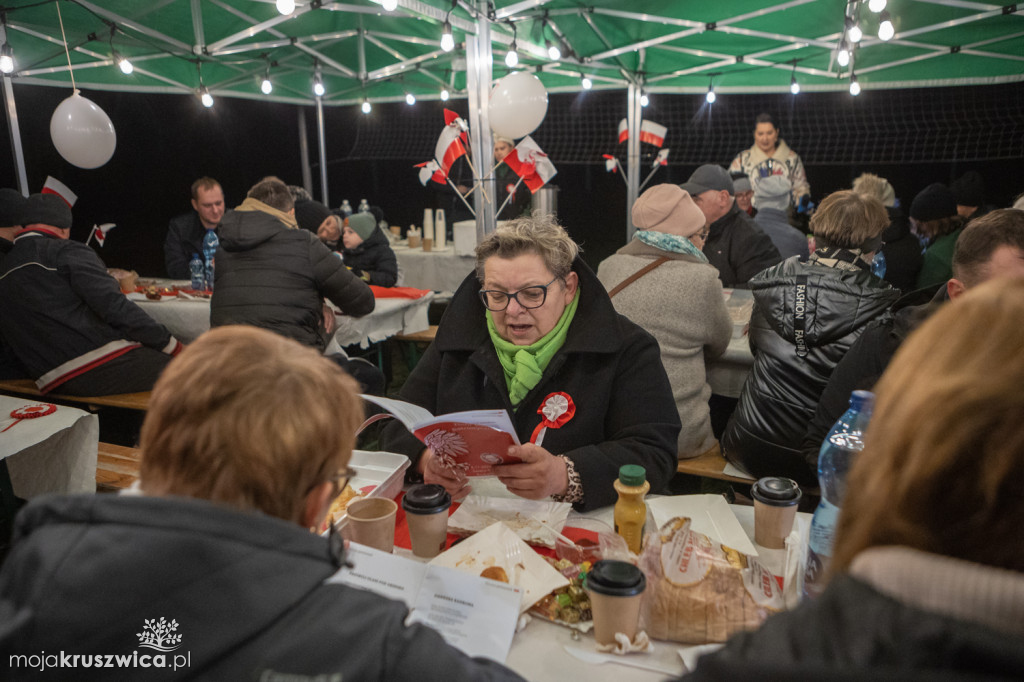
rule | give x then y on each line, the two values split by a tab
46	209
772	192
362	224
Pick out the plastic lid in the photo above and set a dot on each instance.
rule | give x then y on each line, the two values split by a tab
616	578
426	498
632	474
862	400
776	491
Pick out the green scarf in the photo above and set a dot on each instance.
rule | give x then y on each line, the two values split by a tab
524	365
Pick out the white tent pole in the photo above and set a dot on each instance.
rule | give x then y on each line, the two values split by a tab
13	128
478	81
322	143
307	174
633	115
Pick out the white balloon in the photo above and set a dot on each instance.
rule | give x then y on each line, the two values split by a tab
518	104
82	132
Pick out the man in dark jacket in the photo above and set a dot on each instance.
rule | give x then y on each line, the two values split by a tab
735	245
65	318
367	252
273	275
247	439
185	233
991	246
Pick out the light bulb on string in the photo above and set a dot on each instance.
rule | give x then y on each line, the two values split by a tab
876	6
447	39
445	94
710	97
266	86
123	63
410	98
586	82
885	28
389	5
6	58
854	86
794	86
554	53
205	97
366	106
853	31
285	6
644	99
512	57
843	56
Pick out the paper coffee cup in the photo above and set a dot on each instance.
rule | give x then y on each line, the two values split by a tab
775	503
426	512
414	241
371	522
616	590
428	244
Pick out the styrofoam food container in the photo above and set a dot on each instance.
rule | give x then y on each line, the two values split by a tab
383	470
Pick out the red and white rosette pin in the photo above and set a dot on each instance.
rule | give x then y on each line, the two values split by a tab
30	412
556	410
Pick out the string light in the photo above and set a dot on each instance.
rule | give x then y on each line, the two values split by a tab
586	82
794	86
512	56
410	98
389	6
119	59
6	51
318	83
445	94
366	106
447	39
644	99
843	57
710	97
876	6
554	53
885	28
205	96
853	31
854	85
285	6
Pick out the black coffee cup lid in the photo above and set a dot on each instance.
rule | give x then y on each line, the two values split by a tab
776	491
426	498
616	578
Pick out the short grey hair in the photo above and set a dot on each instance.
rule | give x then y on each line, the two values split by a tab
540	234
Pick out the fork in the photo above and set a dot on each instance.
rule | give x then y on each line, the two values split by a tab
514	556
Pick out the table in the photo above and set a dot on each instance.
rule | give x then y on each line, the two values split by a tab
727	373
55	453
187	319
438	270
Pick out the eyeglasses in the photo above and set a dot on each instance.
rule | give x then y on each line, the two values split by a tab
341	479
527	297
703	236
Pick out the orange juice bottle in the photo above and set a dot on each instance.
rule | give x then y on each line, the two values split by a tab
630	510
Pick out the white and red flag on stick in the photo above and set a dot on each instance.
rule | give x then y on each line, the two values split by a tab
452	118
429	170
99	232
531	164
611	164
661	159
55	186
650	132
449	148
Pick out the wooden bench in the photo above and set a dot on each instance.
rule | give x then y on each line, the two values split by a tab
410	344
117	467
27	387
710	465
425	336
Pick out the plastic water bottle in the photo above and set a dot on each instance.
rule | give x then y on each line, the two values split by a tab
838	451
364	207
198	272
210	244
878	265
346	208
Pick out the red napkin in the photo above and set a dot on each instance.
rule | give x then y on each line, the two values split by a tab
397	292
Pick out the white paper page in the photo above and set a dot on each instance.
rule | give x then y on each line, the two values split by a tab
495	419
386	574
710	515
476	615
410	415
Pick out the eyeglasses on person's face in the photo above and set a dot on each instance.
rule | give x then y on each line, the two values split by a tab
341	479
527	297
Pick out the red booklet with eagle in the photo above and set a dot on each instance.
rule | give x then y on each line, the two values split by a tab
472	441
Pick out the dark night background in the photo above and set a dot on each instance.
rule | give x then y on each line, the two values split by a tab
164	142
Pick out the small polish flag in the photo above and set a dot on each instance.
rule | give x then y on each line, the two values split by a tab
610	163
452	118
448	148
99	232
652	133
55	186
661	159
623	131
531	164
429	170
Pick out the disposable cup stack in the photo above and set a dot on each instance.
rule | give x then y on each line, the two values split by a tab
440	229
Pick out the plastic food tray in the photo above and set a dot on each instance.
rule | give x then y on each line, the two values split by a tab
385	471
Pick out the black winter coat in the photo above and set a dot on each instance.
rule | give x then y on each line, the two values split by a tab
374	257
903	257
247	591
765	433
273	277
610	367
854	632
185	234
739	249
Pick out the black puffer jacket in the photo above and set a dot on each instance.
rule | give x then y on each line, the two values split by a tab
738	248
273	277
375	258
765	432
248	593
902	252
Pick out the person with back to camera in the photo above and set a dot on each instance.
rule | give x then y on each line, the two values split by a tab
771	197
806	315
367	251
531	322
901	249
927	578
680	302
243	454
770	155
933	218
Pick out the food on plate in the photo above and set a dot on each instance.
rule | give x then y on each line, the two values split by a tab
495	573
153	293
340	503
568	605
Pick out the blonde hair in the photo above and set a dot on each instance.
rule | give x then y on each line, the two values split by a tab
943	462
249	419
540	234
874	186
849	220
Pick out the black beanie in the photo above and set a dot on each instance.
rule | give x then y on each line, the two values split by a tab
969	189
46	209
934	202
310	213
12	207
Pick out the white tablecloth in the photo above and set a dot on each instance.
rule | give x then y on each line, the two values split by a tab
188	319
727	373
436	270
55	453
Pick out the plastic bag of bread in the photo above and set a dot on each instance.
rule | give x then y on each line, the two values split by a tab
699	591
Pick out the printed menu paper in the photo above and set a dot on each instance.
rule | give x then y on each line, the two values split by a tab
476	615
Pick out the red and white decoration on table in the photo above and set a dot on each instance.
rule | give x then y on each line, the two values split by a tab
99	233
30	412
